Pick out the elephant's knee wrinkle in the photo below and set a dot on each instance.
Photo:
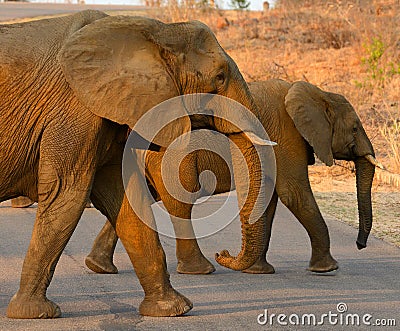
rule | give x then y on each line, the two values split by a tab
289	200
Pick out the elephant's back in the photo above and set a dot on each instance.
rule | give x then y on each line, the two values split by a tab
33	46
270	93
33	92
269	97
32	85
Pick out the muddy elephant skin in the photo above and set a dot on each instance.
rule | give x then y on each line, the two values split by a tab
70	89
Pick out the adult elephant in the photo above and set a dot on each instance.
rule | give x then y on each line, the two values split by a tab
302	119
70	88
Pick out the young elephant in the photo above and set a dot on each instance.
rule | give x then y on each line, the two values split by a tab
302	119
70	88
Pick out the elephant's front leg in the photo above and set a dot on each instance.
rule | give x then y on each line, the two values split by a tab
310	217
140	241
190	258
148	258
302	204
262	266
62	200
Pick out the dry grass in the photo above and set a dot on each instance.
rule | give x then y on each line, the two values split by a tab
391	132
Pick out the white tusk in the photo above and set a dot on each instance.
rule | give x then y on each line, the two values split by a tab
374	161
258	140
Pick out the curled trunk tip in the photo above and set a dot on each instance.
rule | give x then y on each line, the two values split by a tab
239	263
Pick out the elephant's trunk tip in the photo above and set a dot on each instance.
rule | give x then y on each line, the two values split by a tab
362	239
360	246
225	259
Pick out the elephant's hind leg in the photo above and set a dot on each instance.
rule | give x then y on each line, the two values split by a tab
59	210
64	179
190	258
100	258
140	241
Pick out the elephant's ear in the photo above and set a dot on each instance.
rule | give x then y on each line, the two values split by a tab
119	70
310	113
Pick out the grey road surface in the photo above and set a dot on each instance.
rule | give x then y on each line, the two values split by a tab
367	283
13	10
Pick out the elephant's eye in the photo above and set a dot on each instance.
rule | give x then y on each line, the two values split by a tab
355	129
220	79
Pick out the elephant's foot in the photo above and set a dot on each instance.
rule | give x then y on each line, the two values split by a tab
260	267
21	202
195	266
326	264
101	264
32	307
171	303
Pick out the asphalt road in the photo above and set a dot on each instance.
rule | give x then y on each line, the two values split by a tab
367	282
13	10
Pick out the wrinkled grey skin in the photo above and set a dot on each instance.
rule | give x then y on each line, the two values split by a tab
302	119
70	88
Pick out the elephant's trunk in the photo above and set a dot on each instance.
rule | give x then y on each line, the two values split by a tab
251	198
364	175
248	173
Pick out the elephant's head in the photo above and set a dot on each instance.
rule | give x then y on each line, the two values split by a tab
328	122
120	67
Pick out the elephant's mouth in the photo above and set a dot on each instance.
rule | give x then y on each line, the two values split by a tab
207	122
202	122
353	157
349	154
345	156
138	142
